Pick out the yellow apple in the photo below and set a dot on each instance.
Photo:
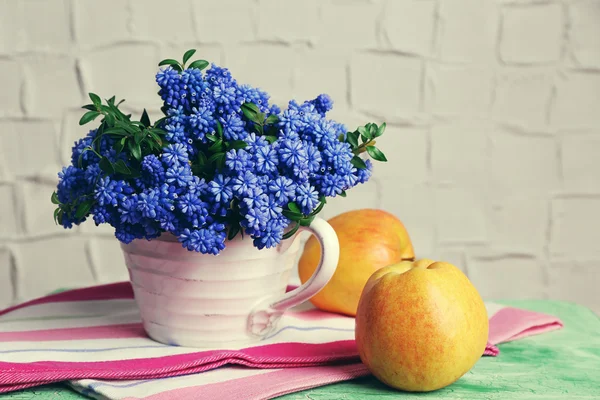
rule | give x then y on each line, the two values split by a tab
420	325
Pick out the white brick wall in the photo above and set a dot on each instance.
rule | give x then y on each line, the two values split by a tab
493	108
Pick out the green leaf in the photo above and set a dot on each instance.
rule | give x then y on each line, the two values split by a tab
95	99
201	158
169	61
58	212
212	138
156	138
251	106
188	54
376	154
294	216
122	168
237	144
358	162
352	138
90	107
259	128
200	64
294	207
216	146
365	134
372	130
272	119
215	157
88	116
116	132
119	145
234	229
291	232
219	129
249	113
307	221
343	194
135	150
83	209
138	136
54	198
106	166
380	130
145	119
341	137
270	138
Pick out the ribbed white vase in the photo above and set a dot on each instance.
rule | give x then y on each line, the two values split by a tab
191	299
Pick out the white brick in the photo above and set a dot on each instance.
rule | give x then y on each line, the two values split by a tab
264	66
45	25
518	221
584	33
575	222
576	282
358	30
134	78
361	196
386	84
454	256
321	71
458	90
507	277
521	97
409	25
580	163
413	206
577	103
28	148
38	210
148	20
460	215
287	20
49	264
108	260
103	22
532	34
9	226
6	289
10	81
459	152
51	86
225	21
406	151
467	30
8	33
521	161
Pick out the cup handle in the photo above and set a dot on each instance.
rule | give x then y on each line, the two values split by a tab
264	316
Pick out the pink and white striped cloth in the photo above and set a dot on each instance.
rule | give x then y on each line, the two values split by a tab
93	338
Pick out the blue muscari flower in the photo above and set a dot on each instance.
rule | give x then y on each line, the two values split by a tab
244	183
331	185
307	198
128	210
105	193
126	233
274	109
313	157
266	160
220	189
273	208
216	75
197	186
177	115
189	204
179	175
291	152
224	93
169	222
87	157
152	171
337	154
271	236
210	240
92	174
322	103
254	220
282	189
174	154
233	127
247	93
71	184
148	204
255	198
300	171
201	122
254	142
238	160
175	132
290	120
172	88
363	175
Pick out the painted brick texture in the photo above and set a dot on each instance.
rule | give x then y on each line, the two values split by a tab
493	109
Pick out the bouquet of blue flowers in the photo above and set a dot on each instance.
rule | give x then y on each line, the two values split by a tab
221	162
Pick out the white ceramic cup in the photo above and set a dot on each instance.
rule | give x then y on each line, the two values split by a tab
191	299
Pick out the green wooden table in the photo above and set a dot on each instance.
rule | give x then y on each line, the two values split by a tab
557	365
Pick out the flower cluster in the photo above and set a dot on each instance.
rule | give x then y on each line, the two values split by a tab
228	162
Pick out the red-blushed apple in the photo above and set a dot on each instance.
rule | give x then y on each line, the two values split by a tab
420	325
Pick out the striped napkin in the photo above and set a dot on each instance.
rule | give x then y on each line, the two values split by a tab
93	338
